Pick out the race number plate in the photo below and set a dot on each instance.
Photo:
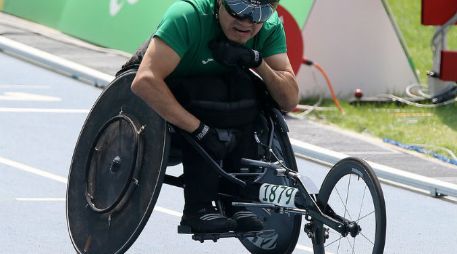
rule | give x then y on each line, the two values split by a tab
280	195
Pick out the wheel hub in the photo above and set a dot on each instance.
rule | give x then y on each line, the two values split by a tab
354	229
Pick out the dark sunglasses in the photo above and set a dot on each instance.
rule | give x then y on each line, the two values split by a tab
243	9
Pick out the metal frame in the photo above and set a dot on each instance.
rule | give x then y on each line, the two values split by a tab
305	205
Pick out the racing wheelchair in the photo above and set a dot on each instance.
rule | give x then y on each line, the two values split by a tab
119	165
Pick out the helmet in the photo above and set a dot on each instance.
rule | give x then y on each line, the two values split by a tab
257	11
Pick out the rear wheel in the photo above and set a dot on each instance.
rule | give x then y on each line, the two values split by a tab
352	191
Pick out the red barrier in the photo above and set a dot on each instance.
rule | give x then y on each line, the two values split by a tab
448	69
295	44
438	12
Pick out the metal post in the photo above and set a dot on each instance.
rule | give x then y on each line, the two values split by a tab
439	43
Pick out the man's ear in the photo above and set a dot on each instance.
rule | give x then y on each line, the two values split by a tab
217	9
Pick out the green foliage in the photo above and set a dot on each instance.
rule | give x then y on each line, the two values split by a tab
407	15
406	124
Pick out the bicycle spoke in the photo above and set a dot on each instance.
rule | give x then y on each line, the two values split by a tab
353	249
358	205
351	245
361	205
349	242
365	216
334	242
339	244
341	199
364	236
347	196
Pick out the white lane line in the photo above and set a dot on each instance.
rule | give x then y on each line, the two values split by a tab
44	110
30	169
304	248
22	86
41	199
167	211
308	249
61	179
15	96
156	208
39	172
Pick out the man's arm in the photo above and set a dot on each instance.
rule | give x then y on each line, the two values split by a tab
149	84
279	78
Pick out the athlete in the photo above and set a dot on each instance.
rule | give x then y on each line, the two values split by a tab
209	45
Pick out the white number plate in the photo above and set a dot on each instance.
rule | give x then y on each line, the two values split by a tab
278	194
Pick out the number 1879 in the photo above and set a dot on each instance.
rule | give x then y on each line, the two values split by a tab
277	194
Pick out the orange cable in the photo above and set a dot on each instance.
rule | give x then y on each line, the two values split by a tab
330	87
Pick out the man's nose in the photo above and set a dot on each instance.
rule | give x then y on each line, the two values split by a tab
246	21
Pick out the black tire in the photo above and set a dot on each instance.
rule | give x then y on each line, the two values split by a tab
363	202
288	227
110	199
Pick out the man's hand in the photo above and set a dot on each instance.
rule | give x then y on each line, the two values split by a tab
232	54
207	137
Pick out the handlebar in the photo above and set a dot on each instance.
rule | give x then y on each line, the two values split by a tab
210	160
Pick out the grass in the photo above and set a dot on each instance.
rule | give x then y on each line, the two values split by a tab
407	15
405	124
409	125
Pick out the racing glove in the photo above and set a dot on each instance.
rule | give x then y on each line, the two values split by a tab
208	138
232	54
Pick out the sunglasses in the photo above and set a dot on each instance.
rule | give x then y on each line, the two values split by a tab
244	9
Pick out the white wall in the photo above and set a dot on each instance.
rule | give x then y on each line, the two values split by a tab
356	43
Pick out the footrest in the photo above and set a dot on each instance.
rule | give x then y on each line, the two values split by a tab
201	237
184	230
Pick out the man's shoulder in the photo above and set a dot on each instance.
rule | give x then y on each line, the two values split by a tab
182	6
203	7
188	11
272	23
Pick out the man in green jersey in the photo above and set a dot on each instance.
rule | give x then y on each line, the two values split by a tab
207	38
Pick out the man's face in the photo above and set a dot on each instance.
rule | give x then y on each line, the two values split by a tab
237	30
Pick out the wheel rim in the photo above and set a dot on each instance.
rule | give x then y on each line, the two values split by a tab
116	159
351	194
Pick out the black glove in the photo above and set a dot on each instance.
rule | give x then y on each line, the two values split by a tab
232	54
208	138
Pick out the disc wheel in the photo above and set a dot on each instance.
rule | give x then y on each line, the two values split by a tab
286	227
117	171
352	191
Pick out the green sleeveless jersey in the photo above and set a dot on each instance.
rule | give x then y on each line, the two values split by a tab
188	26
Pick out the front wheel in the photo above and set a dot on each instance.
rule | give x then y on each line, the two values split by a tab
352	191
